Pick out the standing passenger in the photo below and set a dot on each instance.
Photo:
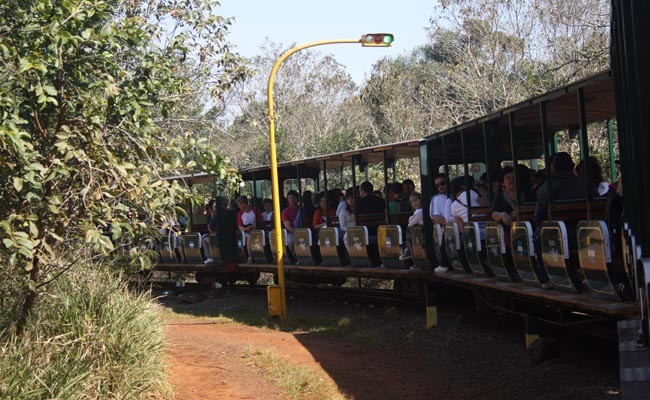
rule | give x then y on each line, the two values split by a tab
211	210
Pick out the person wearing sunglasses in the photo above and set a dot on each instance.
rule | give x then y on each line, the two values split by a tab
438	206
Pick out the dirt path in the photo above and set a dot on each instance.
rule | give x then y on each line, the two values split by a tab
470	355
208	361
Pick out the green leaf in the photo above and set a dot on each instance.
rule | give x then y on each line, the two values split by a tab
18	184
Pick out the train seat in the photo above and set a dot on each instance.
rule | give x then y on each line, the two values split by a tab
285	256
453	248
215	250
595	257
496	252
358	242
260	250
389	238
330	246
561	268
168	249
417	245
303	245
474	249
523	252
193	247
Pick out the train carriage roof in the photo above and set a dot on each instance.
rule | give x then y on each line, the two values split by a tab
312	166
561	109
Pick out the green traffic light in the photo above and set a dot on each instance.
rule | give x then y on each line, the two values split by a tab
388	39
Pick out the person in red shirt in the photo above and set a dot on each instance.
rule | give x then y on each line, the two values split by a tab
289	215
320	220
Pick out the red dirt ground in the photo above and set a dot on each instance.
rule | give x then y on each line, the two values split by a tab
207	361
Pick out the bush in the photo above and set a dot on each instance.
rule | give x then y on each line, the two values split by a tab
88	338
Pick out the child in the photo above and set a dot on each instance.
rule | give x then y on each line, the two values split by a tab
415	219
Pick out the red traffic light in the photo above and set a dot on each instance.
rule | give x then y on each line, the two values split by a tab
377	39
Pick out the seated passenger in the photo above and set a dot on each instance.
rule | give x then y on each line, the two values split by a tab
346	215
459	203
247	218
369	204
415	219
267	214
321	214
289	215
504	208
396	200
437	207
307	210
564	186
594	175
408	187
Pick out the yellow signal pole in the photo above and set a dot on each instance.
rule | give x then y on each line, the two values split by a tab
366	40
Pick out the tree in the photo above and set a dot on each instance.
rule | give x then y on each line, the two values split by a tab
315	108
86	92
483	56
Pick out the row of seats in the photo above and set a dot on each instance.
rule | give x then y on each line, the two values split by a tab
363	249
580	263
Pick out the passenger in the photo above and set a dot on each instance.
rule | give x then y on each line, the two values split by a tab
289	215
211	211
594	175
323	212
565	185
409	187
369	203
396	200
378	193
346	216
504	208
247	218
307	209
524	184
342	204
415	219
267	214
437	210
537	179
458	196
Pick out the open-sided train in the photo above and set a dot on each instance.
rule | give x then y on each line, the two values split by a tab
592	249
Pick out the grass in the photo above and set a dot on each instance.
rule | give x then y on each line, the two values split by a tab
88	338
296	381
358	324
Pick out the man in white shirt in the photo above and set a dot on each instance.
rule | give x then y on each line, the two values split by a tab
437	208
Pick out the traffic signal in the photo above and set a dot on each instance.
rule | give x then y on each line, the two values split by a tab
377	39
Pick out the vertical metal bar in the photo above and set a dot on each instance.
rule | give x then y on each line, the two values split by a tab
489	159
354	191
547	153
325	185
468	187
612	156
254	183
341	175
515	161
301	210
584	149
386	184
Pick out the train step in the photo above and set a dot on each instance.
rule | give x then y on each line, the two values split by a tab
634	362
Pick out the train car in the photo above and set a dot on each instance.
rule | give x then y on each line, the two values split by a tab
189	247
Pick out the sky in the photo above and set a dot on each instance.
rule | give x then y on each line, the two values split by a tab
303	21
